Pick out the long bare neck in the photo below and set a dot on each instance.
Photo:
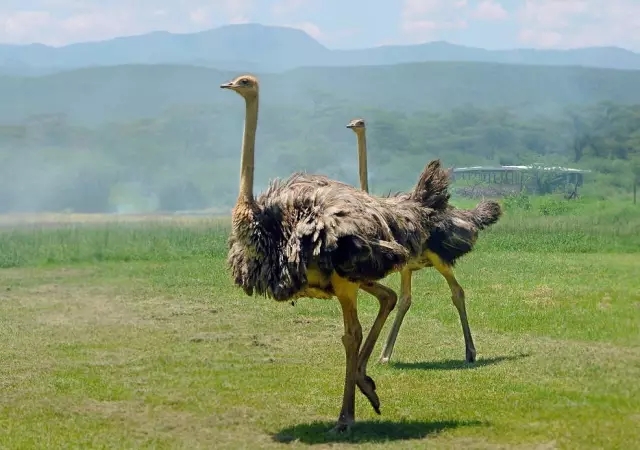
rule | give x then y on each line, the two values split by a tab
362	160
248	151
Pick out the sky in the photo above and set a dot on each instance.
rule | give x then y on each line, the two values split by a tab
492	24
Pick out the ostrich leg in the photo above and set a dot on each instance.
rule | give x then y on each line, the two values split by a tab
457	296
403	307
347	294
387	299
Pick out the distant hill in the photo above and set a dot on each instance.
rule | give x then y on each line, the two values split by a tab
126	92
262	48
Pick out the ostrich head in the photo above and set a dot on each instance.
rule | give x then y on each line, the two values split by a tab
245	85
356	125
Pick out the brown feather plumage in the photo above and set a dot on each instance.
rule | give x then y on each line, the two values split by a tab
312	220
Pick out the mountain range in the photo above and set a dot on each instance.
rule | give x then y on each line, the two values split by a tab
128	92
260	48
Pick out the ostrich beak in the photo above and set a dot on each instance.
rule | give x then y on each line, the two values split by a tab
227	85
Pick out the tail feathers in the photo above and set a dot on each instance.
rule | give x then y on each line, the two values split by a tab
485	214
456	234
432	189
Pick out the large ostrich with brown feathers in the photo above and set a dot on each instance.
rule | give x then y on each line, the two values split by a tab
310	236
453	235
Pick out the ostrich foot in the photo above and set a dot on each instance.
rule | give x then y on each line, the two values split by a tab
368	387
342	427
471	355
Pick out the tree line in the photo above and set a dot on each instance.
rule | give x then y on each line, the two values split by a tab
187	157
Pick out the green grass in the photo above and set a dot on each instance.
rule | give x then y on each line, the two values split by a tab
132	336
584	227
29	246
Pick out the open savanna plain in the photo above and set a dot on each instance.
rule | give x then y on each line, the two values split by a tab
129	334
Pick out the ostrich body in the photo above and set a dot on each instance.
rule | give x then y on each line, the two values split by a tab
453	236
310	236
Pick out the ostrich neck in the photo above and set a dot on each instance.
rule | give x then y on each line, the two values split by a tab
248	151
362	161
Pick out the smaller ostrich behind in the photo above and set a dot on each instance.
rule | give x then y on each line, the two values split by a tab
453	236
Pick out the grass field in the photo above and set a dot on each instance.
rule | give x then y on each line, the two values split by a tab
131	335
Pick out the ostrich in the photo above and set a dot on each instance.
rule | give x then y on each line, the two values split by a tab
453	236
310	236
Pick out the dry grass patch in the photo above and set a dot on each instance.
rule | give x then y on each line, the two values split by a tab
541	296
29	275
78	306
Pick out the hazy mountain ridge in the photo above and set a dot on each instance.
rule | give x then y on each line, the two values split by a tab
273	49
121	93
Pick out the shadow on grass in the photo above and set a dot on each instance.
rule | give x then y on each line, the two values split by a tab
368	431
457	364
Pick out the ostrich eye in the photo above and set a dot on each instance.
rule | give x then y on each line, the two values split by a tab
244	81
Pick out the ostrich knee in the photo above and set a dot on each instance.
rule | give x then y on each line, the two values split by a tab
352	338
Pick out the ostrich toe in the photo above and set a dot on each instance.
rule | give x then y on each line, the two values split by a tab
341	428
368	387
